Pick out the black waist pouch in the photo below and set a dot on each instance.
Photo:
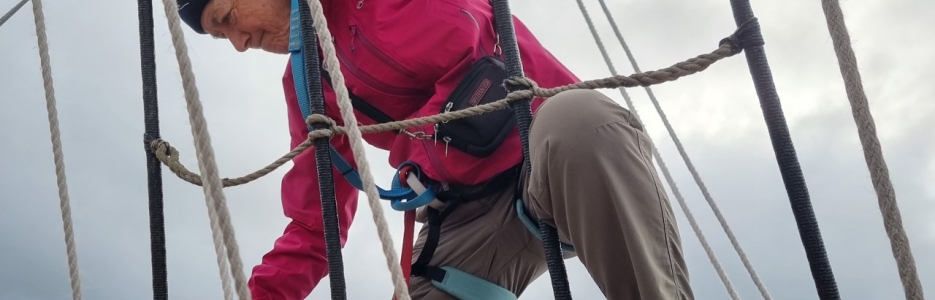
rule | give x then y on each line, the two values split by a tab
478	135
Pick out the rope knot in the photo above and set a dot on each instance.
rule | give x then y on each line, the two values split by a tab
326	127
516	83
747	34
322	121
160	146
520	87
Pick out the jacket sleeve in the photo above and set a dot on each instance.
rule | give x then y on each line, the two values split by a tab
298	260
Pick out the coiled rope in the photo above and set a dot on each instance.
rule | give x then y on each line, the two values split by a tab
873	152
59	157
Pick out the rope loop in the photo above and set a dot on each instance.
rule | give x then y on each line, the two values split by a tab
160	146
519	83
747	34
320	120
327	127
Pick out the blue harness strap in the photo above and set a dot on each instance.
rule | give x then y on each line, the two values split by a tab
534	226
465	286
458	283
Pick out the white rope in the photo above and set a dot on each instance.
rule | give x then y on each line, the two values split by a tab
221	229
665	170
332	65
691	167
873	152
57	148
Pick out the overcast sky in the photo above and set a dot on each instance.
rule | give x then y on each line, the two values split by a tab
95	58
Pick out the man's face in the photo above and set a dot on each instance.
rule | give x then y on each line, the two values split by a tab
256	24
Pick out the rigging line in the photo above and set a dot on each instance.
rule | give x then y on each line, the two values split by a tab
665	170
157	227
12	11
688	163
313	94
511	54
332	65
218	213
873	152
784	150
57	148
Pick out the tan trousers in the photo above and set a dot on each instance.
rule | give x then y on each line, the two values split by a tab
592	177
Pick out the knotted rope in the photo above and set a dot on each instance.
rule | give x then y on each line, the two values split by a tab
873	152
59	158
168	155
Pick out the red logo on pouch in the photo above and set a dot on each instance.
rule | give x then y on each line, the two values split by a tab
479	92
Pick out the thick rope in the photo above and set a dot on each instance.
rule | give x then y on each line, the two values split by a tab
170	156
57	148
873	152
688	163
12	11
332	65
665	170
221	228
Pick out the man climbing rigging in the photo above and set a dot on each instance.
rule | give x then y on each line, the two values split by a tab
591	171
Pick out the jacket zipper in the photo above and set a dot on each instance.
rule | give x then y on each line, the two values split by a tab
470	16
369	80
355	35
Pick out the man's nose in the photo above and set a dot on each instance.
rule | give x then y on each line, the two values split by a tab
239	40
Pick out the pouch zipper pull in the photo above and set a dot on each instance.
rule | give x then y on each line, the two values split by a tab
435	134
360	4
447	109
447	140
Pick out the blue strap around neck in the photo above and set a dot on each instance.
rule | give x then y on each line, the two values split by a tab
401	198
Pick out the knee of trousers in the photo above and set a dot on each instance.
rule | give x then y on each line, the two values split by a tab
580	112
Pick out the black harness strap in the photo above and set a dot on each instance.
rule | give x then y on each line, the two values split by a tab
359	104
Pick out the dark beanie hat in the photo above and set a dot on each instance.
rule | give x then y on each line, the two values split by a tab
190	11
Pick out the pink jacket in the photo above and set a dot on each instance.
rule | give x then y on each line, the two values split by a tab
404	57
